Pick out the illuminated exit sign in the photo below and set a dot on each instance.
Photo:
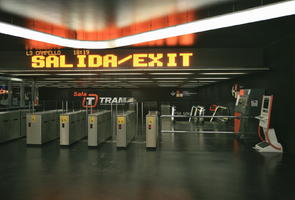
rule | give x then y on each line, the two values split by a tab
86	59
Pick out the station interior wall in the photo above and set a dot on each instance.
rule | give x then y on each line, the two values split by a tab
279	81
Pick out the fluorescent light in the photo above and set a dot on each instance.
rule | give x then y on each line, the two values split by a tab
78	82
78	74
170	73
223	73
207	81
58	79
16	79
161	85
169	78
195	82
261	13
31	74
140	81
127	78
107	81
191	86
169	81
202	81
96	78
49	81
120	74
215	78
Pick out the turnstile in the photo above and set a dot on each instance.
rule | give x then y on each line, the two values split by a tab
23	120
99	127
152	129
126	127
166	122
43	126
10	125
72	127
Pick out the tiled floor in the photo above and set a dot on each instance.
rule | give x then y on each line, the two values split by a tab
184	167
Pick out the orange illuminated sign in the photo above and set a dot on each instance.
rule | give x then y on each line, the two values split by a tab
3	91
93	61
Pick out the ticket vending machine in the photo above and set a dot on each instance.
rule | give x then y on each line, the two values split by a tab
269	142
247	106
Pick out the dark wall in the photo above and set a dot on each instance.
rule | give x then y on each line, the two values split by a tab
53	96
279	81
279	57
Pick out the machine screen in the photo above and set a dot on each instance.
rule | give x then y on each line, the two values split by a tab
265	103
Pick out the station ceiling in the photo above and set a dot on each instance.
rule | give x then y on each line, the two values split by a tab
101	20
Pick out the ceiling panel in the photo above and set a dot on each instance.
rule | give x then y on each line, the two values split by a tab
99	19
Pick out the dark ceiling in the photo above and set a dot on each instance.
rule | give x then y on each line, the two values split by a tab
76	16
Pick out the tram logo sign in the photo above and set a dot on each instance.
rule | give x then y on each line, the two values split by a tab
90	100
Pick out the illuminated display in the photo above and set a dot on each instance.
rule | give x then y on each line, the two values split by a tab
128	59
86	59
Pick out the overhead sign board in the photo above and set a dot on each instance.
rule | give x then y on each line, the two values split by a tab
130	58
87	59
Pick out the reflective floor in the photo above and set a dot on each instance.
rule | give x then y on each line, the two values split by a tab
185	167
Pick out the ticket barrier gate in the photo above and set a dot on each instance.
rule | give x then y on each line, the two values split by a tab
23	129
9	125
72	127
215	109
43	126
197	111
12	125
126	127
99	127
166	123
152	129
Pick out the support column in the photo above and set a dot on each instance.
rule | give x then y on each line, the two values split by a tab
9	99
33	94
22	95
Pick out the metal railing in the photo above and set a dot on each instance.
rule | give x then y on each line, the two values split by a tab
205	116
201	131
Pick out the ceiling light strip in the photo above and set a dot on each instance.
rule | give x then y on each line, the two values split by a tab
200	68
256	14
225	73
163	74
